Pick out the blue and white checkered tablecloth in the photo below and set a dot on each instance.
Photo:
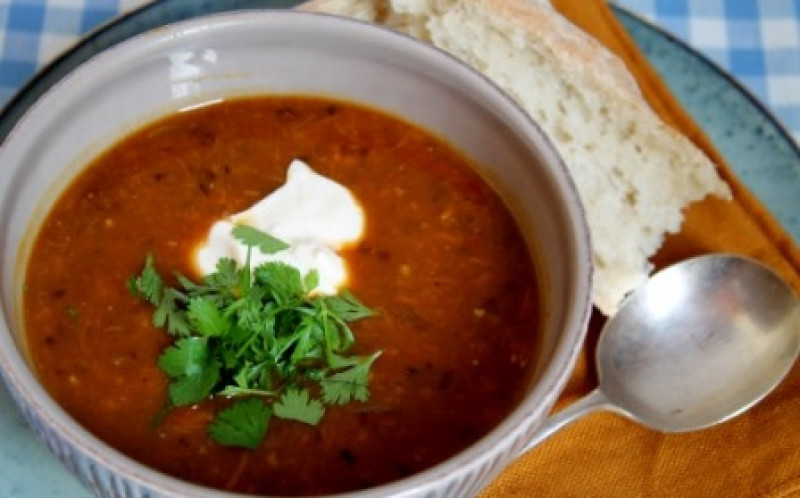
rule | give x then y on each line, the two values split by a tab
757	41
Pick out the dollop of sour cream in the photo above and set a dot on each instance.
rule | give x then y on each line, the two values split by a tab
313	214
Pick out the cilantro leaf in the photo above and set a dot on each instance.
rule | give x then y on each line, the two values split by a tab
310	281
193	371
243	424
148	284
220	287
226	276
347	307
206	318
348	385
295	404
263	241
337	336
285	281
191	389
188	356
168	314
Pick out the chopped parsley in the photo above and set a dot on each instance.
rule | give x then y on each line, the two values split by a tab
259	336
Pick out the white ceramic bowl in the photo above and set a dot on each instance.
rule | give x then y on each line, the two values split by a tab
256	52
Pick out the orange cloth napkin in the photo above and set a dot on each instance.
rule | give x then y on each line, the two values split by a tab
754	455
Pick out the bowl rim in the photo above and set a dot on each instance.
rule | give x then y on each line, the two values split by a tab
514	430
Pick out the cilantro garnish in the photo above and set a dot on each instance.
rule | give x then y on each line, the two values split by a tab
253	237
260	337
244	424
295	404
348	385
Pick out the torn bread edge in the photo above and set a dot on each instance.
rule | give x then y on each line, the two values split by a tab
635	174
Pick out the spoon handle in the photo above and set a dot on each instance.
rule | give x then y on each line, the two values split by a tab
592	402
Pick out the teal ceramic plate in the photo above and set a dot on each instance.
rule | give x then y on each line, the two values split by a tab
760	151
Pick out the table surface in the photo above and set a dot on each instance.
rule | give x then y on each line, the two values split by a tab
756	41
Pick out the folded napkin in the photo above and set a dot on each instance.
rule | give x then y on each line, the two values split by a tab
754	455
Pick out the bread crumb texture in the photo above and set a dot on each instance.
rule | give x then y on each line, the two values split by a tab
634	173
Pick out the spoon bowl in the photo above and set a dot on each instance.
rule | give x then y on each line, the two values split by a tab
701	342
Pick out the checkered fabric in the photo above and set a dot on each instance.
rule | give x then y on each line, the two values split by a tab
758	41
32	32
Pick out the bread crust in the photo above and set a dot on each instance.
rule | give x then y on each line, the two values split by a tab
634	173
575	48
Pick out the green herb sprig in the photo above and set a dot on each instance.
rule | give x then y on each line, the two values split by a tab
260	336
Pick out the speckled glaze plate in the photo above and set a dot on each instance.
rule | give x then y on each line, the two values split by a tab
758	148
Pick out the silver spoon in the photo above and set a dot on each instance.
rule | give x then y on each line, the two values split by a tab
701	342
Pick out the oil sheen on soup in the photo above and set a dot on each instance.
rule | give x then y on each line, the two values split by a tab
441	260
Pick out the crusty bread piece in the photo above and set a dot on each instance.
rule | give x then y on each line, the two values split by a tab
634	173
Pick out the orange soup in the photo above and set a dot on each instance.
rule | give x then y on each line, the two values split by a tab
441	261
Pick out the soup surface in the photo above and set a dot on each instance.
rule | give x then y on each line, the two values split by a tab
441	260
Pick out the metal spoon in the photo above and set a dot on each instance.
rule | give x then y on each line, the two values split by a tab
701	342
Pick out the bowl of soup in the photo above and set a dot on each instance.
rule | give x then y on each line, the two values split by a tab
280	253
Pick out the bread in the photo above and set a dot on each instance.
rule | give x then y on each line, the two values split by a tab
633	172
